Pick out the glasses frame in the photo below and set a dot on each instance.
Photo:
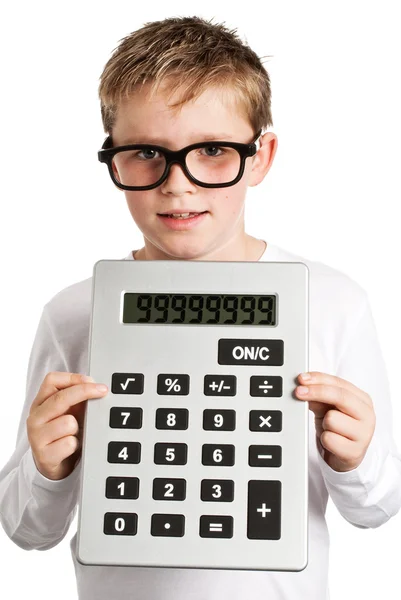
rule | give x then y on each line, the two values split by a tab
105	155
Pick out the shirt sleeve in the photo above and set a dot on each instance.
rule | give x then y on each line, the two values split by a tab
370	494
36	512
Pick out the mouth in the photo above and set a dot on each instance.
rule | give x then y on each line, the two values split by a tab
183	215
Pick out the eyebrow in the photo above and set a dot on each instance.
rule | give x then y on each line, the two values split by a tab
202	137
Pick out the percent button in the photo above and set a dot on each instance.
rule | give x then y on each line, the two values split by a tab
173	384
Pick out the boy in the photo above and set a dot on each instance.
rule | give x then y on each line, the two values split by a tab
226	97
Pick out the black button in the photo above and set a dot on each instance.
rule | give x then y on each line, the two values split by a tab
217	490
172	418
264	510
220	385
266	385
264	456
250	352
265	420
216	526
168	525
172	384
124	452
169	489
170	453
221	455
218	420
125	417
127	383
122	487
120	523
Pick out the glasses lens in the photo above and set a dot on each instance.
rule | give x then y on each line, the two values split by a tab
145	166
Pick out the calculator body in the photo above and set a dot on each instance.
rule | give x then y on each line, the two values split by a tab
197	457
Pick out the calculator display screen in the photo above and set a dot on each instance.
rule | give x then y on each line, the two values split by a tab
199	309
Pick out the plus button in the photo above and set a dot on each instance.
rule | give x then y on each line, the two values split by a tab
263	510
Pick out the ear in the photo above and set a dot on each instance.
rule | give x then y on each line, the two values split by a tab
263	159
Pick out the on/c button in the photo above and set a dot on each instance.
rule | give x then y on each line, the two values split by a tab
250	352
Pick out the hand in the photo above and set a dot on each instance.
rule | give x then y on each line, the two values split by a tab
55	422
344	418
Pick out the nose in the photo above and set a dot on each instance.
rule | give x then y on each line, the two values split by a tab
177	182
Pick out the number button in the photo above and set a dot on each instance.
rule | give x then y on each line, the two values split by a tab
171	418
217	490
123	417
218	455
120	523
122	487
169	489
124	452
219	420
170	453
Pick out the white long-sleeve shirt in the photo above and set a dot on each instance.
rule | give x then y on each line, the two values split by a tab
36	512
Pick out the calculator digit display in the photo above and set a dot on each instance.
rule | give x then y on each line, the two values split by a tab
199	309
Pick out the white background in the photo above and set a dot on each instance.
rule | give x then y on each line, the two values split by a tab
332	194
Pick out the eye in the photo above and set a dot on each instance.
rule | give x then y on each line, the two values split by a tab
213	149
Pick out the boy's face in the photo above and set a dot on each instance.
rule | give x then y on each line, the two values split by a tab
219	235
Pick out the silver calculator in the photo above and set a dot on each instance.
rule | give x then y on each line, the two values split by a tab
197	457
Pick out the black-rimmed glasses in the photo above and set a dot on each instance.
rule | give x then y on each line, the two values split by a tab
146	166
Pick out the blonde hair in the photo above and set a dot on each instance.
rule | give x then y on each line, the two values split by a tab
188	54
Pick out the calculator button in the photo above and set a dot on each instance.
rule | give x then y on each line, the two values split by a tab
172	418
217	490
221	455
168	525
169	453
169	489
124	452
127	383
266	385
265	420
250	352
265	456
125	417
264	510
216	526
220	385
122	487
120	523
219	420
173	384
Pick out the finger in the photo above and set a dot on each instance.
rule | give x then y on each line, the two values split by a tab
339	397
53	382
317	377
59	428
60	402
343	448
343	424
53	454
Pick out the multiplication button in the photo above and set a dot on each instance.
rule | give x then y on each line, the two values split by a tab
216	526
265	420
